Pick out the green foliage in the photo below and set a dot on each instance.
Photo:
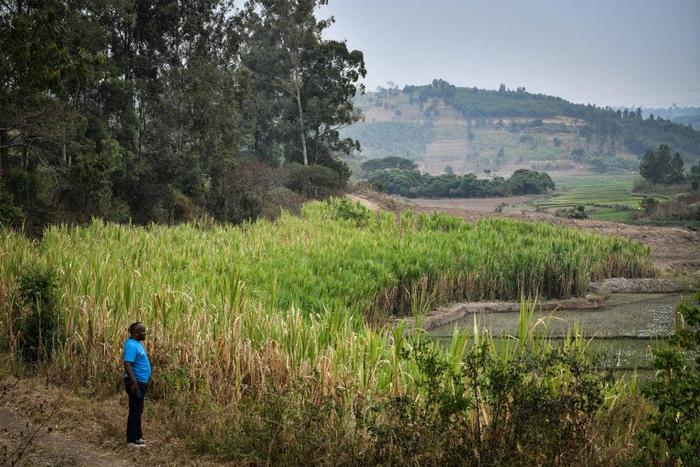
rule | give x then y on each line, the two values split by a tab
442	417
40	329
576	212
345	209
315	181
261	339
673	435
127	129
400	163
23	185
296	261
10	215
525	182
661	167
412	183
649	204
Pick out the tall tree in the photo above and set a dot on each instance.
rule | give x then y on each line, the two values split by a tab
33	63
311	80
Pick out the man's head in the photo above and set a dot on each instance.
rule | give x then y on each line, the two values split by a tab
137	331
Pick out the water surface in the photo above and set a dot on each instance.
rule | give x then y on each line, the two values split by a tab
621	334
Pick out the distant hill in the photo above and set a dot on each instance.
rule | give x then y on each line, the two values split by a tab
470	130
682	115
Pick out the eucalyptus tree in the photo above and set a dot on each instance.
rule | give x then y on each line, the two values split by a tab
306	82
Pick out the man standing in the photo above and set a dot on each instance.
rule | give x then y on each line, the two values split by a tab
137	373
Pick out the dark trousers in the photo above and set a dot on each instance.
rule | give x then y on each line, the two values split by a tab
133	422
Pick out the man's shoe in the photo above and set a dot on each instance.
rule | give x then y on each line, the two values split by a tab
141	441
136	444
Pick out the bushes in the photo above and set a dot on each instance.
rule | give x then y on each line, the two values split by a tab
412	183
343	208
533	405
246	190
579	212
315	181
10	215
673	436
393	162
23	185
535	402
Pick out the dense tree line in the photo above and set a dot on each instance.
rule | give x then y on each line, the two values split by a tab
393	162
610	129
149	110
661	167
412	184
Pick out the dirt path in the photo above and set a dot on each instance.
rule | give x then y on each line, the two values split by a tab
23	442
61	426
364	201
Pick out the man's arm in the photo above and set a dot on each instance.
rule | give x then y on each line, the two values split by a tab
132	378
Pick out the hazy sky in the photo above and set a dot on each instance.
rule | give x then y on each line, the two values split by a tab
607	52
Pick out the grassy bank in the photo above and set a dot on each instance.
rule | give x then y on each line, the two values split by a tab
276	323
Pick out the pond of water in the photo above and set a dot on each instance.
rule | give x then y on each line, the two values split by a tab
621	333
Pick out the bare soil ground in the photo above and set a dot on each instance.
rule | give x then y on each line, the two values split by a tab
43	424
481	205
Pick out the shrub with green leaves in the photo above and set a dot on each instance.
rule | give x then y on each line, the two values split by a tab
315	181
673	435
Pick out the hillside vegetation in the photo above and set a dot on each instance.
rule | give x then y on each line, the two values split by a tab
501	130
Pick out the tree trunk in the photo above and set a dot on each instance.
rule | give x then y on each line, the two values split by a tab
5	158
142	128
302	133
64	148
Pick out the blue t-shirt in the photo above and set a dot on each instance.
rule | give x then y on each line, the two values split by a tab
135	354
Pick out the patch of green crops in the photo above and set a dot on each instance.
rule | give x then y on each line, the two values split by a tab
610	191
321	263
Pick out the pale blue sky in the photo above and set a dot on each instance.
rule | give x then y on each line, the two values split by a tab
614	52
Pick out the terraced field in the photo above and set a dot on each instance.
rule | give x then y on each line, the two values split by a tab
436	135
606	197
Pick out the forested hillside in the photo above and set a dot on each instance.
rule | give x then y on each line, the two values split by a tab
682	115
501	130
159	111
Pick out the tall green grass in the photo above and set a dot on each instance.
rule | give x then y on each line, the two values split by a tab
299	289
237	311
334	260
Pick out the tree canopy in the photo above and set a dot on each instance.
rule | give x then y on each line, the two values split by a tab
411	183
660	167
127	110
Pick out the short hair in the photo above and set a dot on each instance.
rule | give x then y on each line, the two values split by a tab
132	326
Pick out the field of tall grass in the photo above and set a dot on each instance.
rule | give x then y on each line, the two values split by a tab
298	308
